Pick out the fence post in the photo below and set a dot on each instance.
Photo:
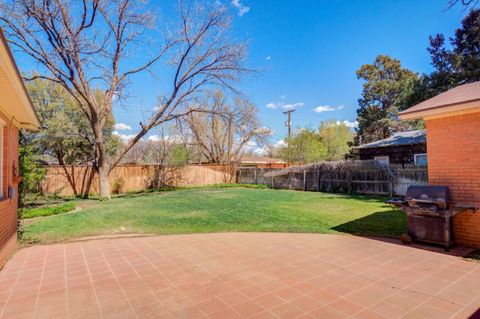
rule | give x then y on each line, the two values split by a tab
304	180
349	182
255	175
318	180
273	182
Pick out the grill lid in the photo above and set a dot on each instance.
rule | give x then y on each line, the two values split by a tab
422	196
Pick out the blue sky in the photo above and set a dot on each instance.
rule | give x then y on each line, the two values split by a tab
309	51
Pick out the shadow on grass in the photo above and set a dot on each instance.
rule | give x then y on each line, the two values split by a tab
391	223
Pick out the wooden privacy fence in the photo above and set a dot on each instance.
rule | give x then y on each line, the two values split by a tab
362	177
130	178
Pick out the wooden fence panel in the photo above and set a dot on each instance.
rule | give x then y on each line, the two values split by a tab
408	175
137	177
361	180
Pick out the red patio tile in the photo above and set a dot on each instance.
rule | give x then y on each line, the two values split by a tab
286	310
224	313
269	300
247	308
236	275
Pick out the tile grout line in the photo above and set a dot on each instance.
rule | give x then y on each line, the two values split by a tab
66	277
16	281
404	288
134	269
91	280
373	282
435	296
233	288
41	280
116	278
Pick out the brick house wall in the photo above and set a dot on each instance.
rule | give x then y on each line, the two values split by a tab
454	160
8	206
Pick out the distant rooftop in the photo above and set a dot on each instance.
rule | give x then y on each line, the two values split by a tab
261	160
400	138
463	94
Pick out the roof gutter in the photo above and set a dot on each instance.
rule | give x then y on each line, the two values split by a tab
442	110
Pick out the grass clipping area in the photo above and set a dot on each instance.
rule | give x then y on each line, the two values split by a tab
55	209
226	209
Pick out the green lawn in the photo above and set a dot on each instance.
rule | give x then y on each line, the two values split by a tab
220	210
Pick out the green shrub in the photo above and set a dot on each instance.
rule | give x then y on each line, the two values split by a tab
117	187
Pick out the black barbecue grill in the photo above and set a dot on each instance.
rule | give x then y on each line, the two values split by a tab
429	211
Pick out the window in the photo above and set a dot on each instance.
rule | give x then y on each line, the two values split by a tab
420	159
383	160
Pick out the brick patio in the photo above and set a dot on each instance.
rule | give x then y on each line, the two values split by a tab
237	275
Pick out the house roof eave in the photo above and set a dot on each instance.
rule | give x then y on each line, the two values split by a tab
28	118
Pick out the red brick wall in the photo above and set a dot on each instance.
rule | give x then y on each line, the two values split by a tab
8	207
454	160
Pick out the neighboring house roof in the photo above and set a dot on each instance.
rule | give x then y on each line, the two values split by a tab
463	98
261	160
15	102
400	138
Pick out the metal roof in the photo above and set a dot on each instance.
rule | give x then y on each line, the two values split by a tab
400	138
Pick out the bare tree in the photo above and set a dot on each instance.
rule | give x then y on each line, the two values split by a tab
223	129
465	3
84	45
158	149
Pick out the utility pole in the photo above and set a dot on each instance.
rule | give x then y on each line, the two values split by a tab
229	139
289	125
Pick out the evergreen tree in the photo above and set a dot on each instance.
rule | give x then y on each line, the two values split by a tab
30	169
387	89
460	64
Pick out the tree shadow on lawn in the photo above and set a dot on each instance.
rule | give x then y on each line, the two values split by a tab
356	197
390	223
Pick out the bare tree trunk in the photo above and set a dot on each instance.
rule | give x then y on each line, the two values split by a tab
88	184
70	180
104	183
104	167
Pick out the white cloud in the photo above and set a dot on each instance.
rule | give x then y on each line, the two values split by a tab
122	127
260	151
265	130
154	138
268	57
242	9
353	124
292	106
280	143
272	105
285	106
324	108
167	138
327	108
124	137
